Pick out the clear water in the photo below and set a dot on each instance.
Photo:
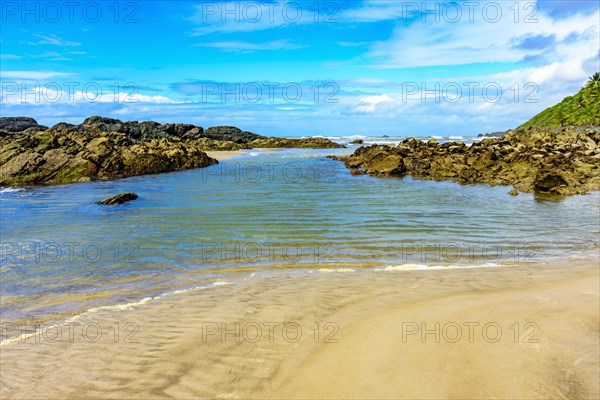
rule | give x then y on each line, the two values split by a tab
278	210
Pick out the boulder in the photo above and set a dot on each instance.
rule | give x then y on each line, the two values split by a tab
231	133
118	199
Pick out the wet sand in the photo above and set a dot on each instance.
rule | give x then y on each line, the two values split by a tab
514	332
222	154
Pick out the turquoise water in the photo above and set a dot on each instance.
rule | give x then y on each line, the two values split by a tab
277	210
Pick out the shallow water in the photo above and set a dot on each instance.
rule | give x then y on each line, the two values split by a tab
286	210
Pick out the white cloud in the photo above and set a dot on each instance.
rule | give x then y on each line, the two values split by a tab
370	104
53	40
32	75
421	44
248	47
10	57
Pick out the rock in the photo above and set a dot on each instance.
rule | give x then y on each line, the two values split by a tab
561	161
231	133
548	182
118	199
389	165
357	141
305	143
19	124
74	155
493	134
106	148
180	130
514	192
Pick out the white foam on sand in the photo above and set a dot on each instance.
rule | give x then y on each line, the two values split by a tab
423	267
115	307
336	270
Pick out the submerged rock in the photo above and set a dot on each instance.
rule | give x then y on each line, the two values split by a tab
118	199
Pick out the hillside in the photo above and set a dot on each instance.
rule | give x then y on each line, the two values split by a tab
580	109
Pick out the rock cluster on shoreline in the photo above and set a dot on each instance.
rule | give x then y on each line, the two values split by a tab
561	161
105	148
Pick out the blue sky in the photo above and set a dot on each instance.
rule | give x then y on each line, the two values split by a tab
298	67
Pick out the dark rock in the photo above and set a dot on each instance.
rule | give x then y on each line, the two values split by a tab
305	143
106	148
181	130
231	133
97	120
19	124
67	156
514	192
548	182
557	161
62	126
118	199
357	141
499	134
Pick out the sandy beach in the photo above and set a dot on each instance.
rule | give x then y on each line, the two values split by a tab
509	332
222	154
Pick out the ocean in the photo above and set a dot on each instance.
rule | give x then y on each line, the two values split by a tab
265	212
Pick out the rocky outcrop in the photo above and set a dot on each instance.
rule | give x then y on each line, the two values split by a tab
304	143
19	124
560	161
118	199
231	134
68	155
105	148
498	134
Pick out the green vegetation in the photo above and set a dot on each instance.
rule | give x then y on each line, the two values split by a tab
581	109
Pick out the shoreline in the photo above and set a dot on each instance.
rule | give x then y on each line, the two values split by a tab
221	155
190	355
